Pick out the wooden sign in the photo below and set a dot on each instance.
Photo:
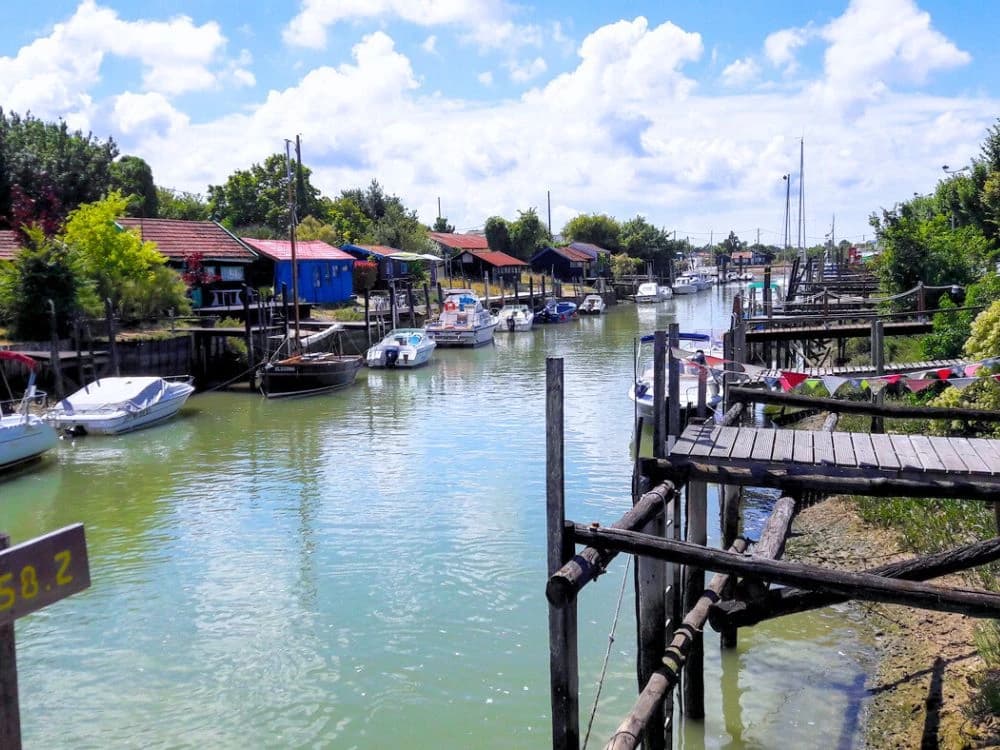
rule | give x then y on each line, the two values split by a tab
36	573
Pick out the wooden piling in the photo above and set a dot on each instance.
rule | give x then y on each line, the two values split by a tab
563	666
878	363
248	337
109	316
651	631
54	350
409	300
427	304
660	360
694	586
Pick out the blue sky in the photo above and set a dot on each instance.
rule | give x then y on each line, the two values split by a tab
686	113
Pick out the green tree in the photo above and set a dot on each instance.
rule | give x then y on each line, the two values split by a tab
52	167
597	229
132	177
497	232
441	225
42	270
624	265
732	244
177	204
349	222
642	240
528	235
401	229
121	265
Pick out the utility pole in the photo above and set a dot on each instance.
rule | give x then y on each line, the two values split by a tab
439	206
802	199
548	199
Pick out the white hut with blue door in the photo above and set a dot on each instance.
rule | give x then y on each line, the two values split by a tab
325	272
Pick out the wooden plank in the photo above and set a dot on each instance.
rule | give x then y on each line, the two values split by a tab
685	442
975	462
743	446
763	445
987	450
946	452
864	451
724	439
885	453
703	441
802	447
843	449
905	452
928	457
823	448
782	445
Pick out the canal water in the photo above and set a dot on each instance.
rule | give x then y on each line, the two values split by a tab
366	569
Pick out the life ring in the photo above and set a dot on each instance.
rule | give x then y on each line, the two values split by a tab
449	305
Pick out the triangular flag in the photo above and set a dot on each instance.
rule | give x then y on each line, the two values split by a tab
771	382
877	385
918	384
832	383
944	373
971	370
794	378
752	370
714	360
785	385
856	382
681	353
891	379
961	383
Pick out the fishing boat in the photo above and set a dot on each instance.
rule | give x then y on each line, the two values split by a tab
23	436
648	291
593	304
112	406
403	347
556	311
515	318
463	321
302	372
685	284
691	368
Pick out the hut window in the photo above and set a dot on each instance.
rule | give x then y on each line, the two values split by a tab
327	273
231	273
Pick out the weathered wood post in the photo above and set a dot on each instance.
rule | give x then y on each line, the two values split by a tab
766	295
486	286
921	298
563	666
440	298
543	289
54	350
517	293
694	586
660	363
10	712
284	306
674	387
368	317
878	363
409	300
109	314
248	334
427	303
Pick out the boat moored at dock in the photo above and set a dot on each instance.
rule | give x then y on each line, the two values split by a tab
515	318
111	406
593	304
463	321
402	347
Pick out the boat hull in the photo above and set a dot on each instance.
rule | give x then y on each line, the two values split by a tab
122	421
24	438
304	376
405	357
454	336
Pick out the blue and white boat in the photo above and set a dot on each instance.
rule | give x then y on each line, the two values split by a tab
403	347
701	344
556	311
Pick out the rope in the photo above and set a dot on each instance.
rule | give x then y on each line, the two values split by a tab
607	654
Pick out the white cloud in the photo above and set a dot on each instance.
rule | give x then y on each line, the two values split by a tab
740	72
781	46
523	72
429	45
146	113
52	75
485	78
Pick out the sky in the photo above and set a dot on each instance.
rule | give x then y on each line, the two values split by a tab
687	113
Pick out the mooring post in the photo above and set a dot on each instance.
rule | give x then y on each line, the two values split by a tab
531	291
10	712
767	292
368	317
878	363
673	386
427	304
694	587
54	349
248	335
409	301
109	313
660	359
563	667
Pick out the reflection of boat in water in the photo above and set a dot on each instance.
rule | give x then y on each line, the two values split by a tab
402	347
23	436
111	406
641	391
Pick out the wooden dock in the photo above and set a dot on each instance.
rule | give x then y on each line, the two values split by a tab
862	371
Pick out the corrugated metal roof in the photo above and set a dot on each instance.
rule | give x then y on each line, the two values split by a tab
460	241
10	244
571	253
589	248
304	249
175	238
495	258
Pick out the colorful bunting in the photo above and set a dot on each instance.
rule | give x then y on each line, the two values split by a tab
961	383
793	378
832	383
916	385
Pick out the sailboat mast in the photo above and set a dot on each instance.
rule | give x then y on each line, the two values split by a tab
292	221
802	198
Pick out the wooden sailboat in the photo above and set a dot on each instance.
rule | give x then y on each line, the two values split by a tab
304	373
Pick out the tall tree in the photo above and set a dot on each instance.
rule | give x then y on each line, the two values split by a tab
54	168
497	231
441	225
177	204
528	234
597	229
132	177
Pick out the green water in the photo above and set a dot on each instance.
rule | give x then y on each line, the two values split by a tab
366	569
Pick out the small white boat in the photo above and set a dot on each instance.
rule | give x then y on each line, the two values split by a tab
648	291
641	391
23	436
463	321
111	406
593	304
685	284
402	347
746	276
515	318
666	293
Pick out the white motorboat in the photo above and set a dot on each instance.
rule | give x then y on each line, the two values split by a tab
463	321
685	284
666	293
110	406
23	436
648	291
515	318
641	391
746	276
402	347
593	304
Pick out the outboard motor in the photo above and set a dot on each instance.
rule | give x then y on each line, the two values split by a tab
391	356
510	322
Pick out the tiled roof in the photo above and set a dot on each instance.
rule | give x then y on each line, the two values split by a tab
175	238
460	241
496	258
589	248
304	249
573	256
10	244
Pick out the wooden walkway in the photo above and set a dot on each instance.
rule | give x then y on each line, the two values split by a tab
858	371
852	462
